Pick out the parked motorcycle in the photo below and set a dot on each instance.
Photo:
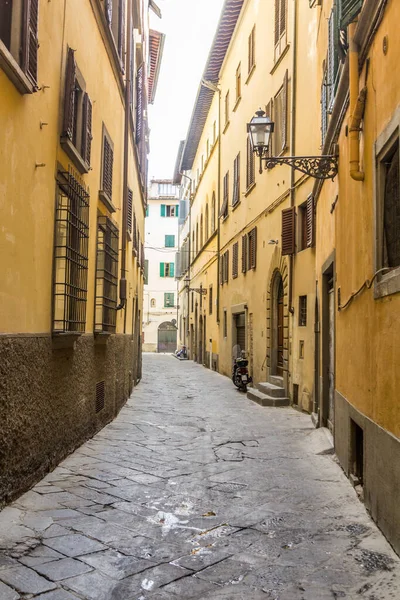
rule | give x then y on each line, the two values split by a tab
240	371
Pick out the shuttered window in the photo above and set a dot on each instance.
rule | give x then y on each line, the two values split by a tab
288	230
170	241
106	275
238	87
129	210
310	221
332	60
115	16
167	269
30	43
107	166
139	104
227	108
236	181
252	50
244	253
210	300
224	267
391	210
213	208
224	209
280	109
169	300
250	165
348	10
146	272
135	236
324	106
252	247
280	26
235	260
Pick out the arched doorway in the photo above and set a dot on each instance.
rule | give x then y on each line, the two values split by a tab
167	337
277	359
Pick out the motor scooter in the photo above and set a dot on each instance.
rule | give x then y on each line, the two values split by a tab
240	371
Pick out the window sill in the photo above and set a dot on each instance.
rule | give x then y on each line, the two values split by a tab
224	218
67	339
103	196
250	75
249	189
388	284
14	72
238	101
226	126
234	206
280	59
74	155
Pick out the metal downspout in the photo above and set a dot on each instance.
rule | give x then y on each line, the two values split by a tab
219	207
357	103
293	144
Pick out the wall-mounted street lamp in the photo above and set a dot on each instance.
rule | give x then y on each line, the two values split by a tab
200	290
260	129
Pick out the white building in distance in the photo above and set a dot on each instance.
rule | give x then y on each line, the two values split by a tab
160	289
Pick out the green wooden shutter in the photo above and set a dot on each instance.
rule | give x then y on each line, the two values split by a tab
147	211
162	269
349	9
168	300
177	210
172	269
170	241
163	210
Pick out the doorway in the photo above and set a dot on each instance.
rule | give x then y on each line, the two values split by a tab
277	346
167	337
200	346
328	348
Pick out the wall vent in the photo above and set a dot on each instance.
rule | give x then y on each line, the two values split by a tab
100	394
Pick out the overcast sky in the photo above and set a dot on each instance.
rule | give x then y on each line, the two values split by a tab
189	26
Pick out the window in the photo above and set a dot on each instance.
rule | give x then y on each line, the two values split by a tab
202	163
252	50
391	208
146	272
170	241
302	311
192	301
250	167
244	253
213	213
332	62
224	268
206	231
252	248
238	83
166	189
153	303
169	301
280	110
201	232
227	108
224	209
288	230
225	325
197	238
106	276
147	210
235	260
349	9
210	300
236	181
107	167
130	210
115	15
280	26
214	132
169	210
302	227
70	254
19	21
306	224
76	136
167	269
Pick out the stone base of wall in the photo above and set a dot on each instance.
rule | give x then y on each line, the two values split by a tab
381	466
48	400
149	347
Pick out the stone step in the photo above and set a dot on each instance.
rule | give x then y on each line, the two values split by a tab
271	390
265	400
276	380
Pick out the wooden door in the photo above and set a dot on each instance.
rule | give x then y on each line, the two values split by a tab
331	350
167	338
279	365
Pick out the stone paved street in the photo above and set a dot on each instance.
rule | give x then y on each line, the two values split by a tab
195	492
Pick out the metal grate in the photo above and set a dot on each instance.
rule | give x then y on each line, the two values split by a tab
70	254
100	396
106	276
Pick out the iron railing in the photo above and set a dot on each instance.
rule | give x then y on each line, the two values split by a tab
106	276
70	254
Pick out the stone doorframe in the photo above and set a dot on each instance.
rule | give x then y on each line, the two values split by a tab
278	270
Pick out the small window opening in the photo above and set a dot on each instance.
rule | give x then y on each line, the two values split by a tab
356	454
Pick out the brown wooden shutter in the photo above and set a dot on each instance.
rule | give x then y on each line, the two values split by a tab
235	260
227	266
108	161
121	32
310	221
282	17
134	245
288	230
69	104
253	248
139	103
277	21
244	253
221	270
129	212
30	43
250	165
87	129
285	111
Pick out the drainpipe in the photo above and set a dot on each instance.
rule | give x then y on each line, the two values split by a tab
357	104
219	206
293	144
123	282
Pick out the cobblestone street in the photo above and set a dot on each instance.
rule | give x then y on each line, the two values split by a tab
195	492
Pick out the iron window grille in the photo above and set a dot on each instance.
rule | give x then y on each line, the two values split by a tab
70	254
302	311
106	276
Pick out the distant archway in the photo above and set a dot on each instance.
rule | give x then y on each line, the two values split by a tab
167	337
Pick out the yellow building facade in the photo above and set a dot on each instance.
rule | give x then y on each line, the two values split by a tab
73	173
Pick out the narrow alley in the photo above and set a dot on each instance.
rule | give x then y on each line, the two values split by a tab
195	492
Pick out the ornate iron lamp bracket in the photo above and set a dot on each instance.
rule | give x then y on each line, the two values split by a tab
201	291
318	167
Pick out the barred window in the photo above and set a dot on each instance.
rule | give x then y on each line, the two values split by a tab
235	260
302	311
70	254
106	276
